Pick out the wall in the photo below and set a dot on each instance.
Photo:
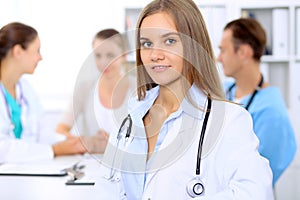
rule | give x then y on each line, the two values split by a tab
66	29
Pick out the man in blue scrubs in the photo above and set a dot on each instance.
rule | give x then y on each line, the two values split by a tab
242	45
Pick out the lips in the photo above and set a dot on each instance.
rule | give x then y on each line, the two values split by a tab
160	68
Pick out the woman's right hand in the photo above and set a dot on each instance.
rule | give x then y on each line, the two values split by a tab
63	129
72	145
96	144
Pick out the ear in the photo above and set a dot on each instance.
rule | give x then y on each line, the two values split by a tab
17	50
245	51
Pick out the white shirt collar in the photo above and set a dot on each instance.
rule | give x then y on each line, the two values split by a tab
138	109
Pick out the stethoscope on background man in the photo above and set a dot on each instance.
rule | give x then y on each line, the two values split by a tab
253	94
195	186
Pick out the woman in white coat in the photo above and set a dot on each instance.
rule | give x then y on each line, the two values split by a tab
21	136
185	142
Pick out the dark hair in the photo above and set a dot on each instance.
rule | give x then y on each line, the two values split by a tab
199	60
113	34
248	31
15	33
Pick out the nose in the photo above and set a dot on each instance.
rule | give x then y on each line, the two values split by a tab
105	62
39	57
157	54
219	58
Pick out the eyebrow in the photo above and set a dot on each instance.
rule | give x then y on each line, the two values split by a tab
163	36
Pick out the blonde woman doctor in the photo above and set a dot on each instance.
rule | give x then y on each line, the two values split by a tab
181	140
22	137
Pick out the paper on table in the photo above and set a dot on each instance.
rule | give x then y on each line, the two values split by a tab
34	169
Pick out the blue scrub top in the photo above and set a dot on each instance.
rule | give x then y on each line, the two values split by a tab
15	111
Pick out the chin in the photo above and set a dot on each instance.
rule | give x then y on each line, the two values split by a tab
31	71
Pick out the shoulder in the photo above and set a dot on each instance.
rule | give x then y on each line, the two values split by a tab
236	139
270	93
235	112
269	101
30	96
27	89
25	84
237	122
138	107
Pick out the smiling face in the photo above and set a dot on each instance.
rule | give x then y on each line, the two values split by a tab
161	49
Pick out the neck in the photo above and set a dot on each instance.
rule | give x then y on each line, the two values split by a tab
108	84
247	81
113	91
9	77
247	85
169	98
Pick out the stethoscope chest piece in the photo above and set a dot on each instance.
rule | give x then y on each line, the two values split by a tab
125	131
195	187
127	140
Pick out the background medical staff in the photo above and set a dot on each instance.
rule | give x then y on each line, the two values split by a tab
98	103
242	45
177	76
21	136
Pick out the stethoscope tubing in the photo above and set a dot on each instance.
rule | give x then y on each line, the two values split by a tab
259	86
202	135
200	145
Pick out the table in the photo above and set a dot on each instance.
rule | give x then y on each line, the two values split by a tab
54	188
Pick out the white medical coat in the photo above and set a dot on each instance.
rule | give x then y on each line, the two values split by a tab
231	167
35	143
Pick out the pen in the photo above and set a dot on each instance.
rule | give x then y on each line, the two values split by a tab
79	183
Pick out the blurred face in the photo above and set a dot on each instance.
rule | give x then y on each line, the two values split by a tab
161	49
228	56
108	57
31	56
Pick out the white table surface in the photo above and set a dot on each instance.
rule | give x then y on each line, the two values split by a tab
54	188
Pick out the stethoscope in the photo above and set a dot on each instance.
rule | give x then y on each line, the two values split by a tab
127	122
253	94
124	132
195	186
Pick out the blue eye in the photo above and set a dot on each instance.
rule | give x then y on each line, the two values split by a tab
146	44
170	41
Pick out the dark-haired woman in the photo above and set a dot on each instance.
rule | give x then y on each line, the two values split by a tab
21	136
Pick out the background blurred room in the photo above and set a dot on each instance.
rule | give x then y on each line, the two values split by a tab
66	29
